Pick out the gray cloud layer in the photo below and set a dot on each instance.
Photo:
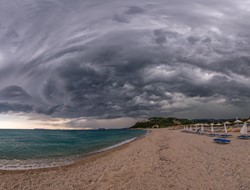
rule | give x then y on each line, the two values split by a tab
112	59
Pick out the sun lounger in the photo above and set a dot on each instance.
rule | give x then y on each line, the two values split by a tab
225	136
213	134
222	141
244	137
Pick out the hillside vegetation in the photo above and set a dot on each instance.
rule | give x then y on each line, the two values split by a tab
161	122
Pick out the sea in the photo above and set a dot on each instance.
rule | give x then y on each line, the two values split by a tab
29	149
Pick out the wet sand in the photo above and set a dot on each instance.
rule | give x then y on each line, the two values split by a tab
165	159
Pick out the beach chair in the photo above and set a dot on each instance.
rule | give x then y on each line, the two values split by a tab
244	137
225	135
213	135
222	141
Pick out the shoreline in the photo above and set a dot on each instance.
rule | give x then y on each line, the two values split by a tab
84	157
164	159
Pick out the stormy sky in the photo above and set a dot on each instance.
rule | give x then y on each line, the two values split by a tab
113	59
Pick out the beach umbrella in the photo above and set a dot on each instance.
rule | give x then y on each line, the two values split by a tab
248	121
196	127
237	121
205	125
202	128
218	124
243	129
212	127
225	127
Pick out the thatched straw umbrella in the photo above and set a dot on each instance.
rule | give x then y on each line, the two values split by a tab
228	123
205	124
218	125
237	122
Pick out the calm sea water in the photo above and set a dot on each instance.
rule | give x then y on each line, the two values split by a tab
23	149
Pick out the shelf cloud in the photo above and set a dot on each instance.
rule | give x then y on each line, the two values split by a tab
137	58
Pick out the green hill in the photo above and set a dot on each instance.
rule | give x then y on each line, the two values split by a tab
161	122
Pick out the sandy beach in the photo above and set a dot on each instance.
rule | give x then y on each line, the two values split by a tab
164	159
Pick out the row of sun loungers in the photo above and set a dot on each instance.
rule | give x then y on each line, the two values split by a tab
245	137
208	134
221	138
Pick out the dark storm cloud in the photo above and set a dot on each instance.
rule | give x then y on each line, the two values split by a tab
14	93
114	59
160	36
15	107
134	10
120	18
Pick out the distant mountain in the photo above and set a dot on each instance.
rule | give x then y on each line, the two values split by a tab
161	122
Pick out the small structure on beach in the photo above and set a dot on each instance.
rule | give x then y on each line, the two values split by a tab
155	126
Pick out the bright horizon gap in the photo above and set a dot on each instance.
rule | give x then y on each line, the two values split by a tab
35	121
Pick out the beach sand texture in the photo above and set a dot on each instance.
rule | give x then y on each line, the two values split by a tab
165	159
